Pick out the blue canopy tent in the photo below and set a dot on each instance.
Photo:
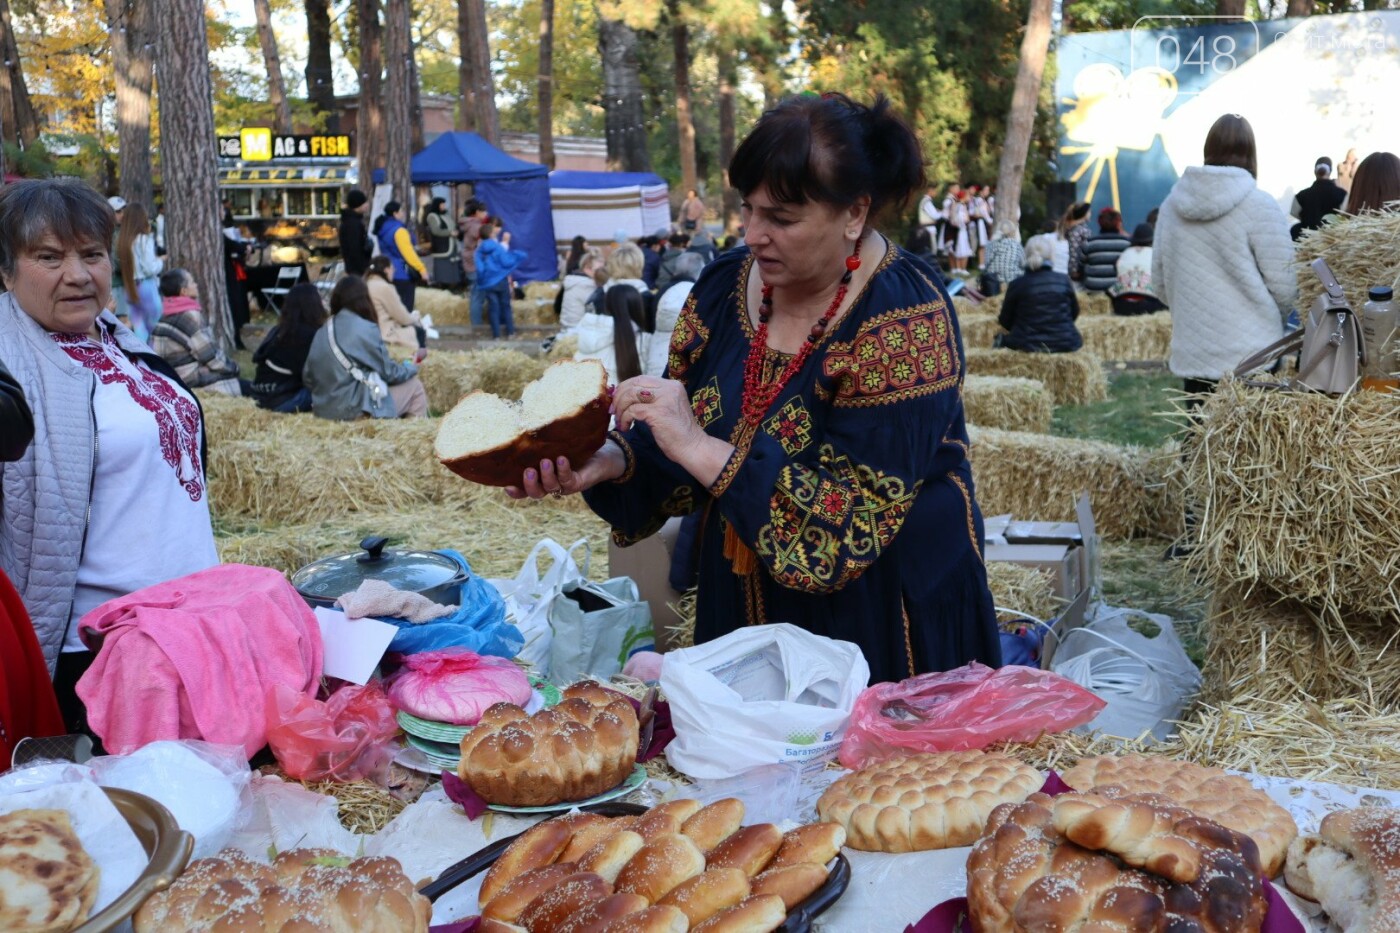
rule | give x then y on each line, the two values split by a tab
512	189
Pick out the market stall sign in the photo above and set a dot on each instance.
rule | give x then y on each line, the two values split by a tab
260	144
282	176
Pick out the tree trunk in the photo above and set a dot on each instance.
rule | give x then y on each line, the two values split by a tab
415	101
191	172
1230	8
685	126
369	123
1300	8
1020	123
276	86
398	72
21	124
483	84
622	98
728	80
466	82
546	88
320	79
129	26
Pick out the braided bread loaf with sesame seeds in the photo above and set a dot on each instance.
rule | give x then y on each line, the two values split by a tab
582	747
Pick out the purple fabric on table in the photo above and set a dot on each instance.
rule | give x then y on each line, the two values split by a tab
466	926
1279	917
948	917
1053	786
661	734
460	792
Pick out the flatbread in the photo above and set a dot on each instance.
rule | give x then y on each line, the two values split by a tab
48	882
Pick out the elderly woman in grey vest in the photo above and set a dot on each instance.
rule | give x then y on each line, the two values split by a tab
111	497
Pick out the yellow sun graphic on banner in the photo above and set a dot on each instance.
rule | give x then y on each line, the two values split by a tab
1111	112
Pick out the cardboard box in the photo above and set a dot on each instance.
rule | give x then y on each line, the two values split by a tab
1074	616
1064	564
1081	537
648	563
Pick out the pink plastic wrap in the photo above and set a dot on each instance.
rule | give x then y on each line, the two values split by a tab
969	707
455	685
349	737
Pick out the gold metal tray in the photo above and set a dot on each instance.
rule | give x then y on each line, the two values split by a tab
167	846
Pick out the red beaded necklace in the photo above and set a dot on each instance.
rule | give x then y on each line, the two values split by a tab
758	396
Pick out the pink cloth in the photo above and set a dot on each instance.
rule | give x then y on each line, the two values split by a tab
195	657
178	304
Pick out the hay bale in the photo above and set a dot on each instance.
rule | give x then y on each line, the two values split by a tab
445	307
1094	303
1036	476
563	348
1295	492
1007	402
228	418
1361	251
1142	337
992	304
1278	649
449	375
541	291
1022	590
962	305
978	330
1071	378
533	312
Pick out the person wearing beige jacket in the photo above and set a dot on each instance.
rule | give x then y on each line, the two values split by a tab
397	324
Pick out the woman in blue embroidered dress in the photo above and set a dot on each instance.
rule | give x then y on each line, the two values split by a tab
812	411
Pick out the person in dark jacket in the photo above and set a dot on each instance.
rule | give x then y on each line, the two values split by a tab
355	249
281	357
652	248
675	246
16	420
1102	249
235	275
1040	309
1323	197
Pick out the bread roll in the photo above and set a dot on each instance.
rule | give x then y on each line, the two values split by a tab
1352	868
564	413
666	818
524	888
794	884
661	864
540	845
708	893
47	879
589	830
652	920
1142	835
608	857
585	745
548	912
487	925
749	850
595	917
713	824
815	843
761	914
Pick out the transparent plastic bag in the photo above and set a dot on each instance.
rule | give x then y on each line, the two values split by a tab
968	707
349	737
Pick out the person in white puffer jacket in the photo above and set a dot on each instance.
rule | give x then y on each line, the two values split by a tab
1222	260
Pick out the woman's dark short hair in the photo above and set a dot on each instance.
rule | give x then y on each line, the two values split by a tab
67	208
302	311
172	282
1231	142
381	265
832	150
351	294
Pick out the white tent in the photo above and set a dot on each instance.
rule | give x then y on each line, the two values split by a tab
597	205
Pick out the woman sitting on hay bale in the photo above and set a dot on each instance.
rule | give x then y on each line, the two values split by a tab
278	385
1040	308
349	370
397	325
1132	292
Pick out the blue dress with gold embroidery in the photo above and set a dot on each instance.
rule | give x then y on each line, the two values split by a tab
855	493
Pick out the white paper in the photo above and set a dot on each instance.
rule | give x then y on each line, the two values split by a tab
99	827
353	648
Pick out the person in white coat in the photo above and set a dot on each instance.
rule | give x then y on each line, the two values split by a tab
614	337
578	287
1222	260
657	345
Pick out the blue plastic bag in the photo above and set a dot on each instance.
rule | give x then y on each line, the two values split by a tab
478	624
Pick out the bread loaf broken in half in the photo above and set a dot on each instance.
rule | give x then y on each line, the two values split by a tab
493	442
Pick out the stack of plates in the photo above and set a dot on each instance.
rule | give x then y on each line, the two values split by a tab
440	742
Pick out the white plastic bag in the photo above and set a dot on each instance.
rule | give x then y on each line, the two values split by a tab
597	627
1146	681
529	596
779	694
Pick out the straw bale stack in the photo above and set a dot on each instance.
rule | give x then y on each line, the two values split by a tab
541	291
1094	303
563	348
992	304
449	375
978	330
445	307
533	312
1296	492
1022	589
1071	378
1007	402
1361	251
962	305
1142	337
1036	476
227	418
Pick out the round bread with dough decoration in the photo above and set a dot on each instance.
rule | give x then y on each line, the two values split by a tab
936	800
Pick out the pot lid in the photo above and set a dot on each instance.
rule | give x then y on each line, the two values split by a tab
412	571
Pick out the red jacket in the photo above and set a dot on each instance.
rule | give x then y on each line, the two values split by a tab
27	703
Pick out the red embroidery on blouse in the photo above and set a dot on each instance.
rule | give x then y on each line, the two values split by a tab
177	418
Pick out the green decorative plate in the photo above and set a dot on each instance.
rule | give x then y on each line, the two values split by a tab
636	779
545	694
438	753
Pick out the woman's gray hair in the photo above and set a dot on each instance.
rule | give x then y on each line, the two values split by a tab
1039	252
1006	229
66	208
689	265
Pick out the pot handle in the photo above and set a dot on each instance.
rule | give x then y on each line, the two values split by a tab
374	547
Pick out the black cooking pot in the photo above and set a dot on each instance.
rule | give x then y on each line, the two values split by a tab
427	573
